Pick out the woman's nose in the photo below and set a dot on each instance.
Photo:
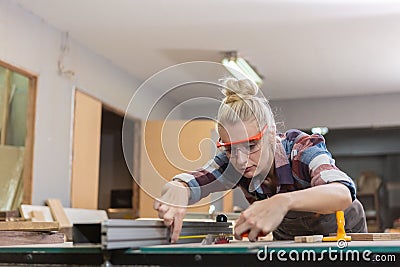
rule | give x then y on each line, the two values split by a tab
241	157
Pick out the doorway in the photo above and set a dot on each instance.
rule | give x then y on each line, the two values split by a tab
116	184
100	174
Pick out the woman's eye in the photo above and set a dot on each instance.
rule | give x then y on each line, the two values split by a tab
252	146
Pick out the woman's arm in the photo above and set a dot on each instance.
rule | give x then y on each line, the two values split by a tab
188	188
323	199
266	215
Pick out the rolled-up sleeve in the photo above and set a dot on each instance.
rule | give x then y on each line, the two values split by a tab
314	159
324	171
216	175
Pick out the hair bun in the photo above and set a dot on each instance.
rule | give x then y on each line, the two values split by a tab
236	90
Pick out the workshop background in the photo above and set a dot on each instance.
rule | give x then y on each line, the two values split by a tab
71	68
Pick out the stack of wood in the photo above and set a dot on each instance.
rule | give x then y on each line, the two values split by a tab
33	228
26	233
44	224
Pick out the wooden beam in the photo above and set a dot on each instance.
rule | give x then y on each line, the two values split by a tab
308	239
30	136
12	238
59	215
57	210
374	236
137	138
29	226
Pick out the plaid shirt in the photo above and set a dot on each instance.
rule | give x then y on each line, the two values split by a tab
301	161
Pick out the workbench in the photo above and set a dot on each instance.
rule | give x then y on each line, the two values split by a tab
236	253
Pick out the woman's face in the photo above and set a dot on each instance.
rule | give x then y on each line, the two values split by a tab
250	158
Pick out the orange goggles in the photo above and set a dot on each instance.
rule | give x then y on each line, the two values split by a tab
253	138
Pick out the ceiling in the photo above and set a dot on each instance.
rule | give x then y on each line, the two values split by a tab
303	48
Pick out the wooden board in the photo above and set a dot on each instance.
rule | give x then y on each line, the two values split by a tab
374	236
59	215
10	238
73	215
308	239
28	226
57	210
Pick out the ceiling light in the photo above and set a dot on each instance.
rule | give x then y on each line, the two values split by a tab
240	68
320	130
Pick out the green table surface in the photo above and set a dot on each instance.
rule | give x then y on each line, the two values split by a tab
252	247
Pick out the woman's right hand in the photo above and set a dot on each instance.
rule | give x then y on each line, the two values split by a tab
171	206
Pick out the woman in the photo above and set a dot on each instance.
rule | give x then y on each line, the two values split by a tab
290	179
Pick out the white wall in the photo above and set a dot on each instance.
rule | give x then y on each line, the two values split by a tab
340	112
30	43
335	112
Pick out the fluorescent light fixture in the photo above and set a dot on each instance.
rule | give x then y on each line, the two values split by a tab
240	69
320	130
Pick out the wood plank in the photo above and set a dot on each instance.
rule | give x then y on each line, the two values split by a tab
10	238
137	139
29	226
308	238
59	215
374	236
29	140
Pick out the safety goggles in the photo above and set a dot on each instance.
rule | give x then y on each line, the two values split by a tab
246	146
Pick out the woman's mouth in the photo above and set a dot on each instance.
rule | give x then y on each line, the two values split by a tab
248	169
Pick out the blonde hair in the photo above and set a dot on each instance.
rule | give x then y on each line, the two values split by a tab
242	103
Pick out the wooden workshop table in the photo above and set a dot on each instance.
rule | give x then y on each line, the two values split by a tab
237	253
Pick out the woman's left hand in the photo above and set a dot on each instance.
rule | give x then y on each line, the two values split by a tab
262	217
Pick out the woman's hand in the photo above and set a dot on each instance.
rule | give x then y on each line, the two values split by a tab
262	217
171	206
